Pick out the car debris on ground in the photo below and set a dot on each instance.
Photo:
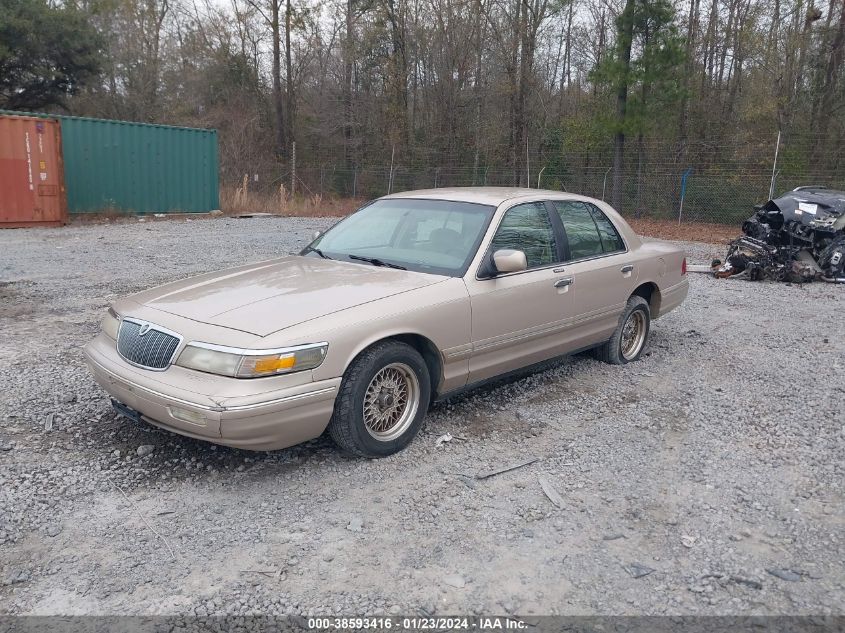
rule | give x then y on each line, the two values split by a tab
550	492
798	238
506	469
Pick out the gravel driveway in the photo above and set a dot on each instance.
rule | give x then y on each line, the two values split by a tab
706	479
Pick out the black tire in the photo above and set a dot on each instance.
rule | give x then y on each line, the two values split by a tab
611	352
348	428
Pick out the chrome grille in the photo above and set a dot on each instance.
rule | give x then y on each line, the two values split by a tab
153	349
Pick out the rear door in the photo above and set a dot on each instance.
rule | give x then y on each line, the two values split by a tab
602	271
518	318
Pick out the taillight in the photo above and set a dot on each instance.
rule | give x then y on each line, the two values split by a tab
684	266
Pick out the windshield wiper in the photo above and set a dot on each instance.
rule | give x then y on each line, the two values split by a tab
375	261
318	251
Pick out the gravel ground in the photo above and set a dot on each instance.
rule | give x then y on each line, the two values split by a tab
706	479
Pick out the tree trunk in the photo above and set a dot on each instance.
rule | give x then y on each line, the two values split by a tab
477	88
348	56
640	163
399	72
515	116
683	107
626	34
710	47
568	58
832	71
819	81
290	88
802	47
278	98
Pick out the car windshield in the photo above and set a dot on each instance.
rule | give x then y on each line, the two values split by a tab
430	236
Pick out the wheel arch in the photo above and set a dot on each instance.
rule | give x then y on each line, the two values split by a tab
423	344
649	291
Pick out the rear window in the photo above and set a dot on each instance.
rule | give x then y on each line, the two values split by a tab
589	232
611	241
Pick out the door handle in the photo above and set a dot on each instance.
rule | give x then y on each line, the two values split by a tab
627	268
561	283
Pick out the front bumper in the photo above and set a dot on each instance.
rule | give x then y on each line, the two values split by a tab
258	414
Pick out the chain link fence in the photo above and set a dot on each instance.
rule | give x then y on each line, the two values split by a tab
727	198
683	191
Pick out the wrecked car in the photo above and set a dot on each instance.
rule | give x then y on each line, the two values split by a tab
799	237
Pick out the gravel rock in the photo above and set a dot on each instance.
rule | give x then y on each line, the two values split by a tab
356	524
17	576
454	580
144	450
638	570
784	574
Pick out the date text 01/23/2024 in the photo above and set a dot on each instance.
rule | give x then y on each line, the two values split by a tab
481	623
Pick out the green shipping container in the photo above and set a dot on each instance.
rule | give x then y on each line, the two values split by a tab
137	167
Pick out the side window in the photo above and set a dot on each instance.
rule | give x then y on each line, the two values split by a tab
526	227
610	238
581	232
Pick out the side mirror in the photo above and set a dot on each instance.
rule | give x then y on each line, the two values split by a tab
509	261
315	235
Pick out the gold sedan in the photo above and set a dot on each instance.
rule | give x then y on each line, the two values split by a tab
414	297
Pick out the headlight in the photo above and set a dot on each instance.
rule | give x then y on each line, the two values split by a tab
110	324
244	363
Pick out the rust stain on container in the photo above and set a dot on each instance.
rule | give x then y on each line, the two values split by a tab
32	191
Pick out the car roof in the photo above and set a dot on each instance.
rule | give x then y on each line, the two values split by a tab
482	195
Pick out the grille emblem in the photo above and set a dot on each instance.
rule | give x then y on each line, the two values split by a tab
144	329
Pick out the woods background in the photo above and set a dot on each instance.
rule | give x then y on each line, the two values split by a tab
613	98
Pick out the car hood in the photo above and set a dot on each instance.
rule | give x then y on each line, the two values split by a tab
270	296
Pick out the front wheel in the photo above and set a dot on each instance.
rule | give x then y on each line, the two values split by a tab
629	339
382	401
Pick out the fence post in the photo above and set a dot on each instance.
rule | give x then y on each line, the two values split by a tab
527	164
539	176
390	176
774	167
604	182
436	174
354	182
683	193
293	170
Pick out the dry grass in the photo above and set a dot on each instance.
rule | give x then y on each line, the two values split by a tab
240	200
117	217
687	232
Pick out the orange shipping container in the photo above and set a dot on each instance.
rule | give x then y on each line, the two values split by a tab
32	191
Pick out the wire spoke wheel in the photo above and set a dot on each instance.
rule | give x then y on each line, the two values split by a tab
391	401
633	334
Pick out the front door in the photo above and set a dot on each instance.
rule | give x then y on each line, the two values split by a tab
518	318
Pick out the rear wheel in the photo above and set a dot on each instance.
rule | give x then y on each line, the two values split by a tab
382	401
631	334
